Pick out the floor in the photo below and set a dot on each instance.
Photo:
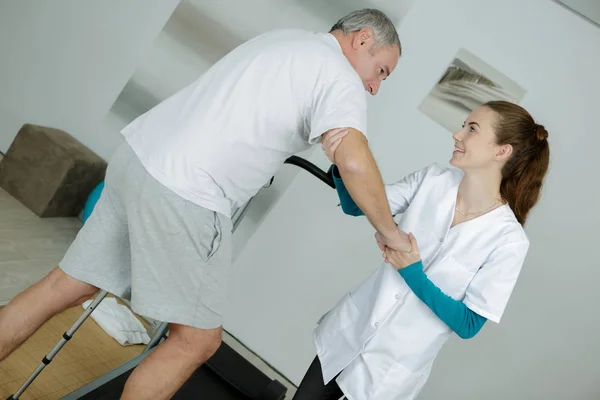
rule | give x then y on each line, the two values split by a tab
90	354
29	248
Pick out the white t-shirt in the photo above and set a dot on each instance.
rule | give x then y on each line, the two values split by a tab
219	140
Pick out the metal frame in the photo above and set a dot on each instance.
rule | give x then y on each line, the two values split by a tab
66	337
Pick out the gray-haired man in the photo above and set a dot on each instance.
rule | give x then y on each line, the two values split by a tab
162	226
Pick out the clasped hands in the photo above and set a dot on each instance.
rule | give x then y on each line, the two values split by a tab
401	252
399	249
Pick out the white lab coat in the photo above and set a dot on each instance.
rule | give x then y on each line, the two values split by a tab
381	336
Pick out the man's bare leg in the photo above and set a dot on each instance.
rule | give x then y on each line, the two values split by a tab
160	375
36	305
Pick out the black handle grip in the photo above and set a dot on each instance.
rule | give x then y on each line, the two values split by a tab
313	169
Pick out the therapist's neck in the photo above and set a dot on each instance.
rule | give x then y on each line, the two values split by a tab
479	189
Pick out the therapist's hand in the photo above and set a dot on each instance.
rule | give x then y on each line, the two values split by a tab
331	140
401	259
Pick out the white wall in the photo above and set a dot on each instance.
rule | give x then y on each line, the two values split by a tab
589	9
300	262
64	62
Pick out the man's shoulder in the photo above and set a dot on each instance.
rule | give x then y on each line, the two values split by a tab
317	54
312	47
291	37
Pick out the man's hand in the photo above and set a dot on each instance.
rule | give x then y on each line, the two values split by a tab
397	241
401	259
331	140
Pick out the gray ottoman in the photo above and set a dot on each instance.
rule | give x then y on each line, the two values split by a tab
50	172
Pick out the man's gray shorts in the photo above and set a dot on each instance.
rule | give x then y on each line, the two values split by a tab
142	240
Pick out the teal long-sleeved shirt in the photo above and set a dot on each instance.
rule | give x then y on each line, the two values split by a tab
463	321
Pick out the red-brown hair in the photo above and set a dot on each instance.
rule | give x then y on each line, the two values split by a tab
524	172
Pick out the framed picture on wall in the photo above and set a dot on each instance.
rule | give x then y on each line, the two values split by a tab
467	83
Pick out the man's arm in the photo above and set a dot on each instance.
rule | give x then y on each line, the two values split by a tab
362	178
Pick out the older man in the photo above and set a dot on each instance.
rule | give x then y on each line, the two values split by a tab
162	226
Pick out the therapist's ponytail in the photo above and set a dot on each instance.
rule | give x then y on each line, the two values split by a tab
524	172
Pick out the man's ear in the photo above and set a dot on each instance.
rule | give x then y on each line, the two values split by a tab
362	38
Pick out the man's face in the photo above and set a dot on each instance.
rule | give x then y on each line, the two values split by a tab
372	63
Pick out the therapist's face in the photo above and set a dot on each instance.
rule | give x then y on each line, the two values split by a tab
475	144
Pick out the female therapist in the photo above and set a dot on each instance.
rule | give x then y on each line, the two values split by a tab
468	245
